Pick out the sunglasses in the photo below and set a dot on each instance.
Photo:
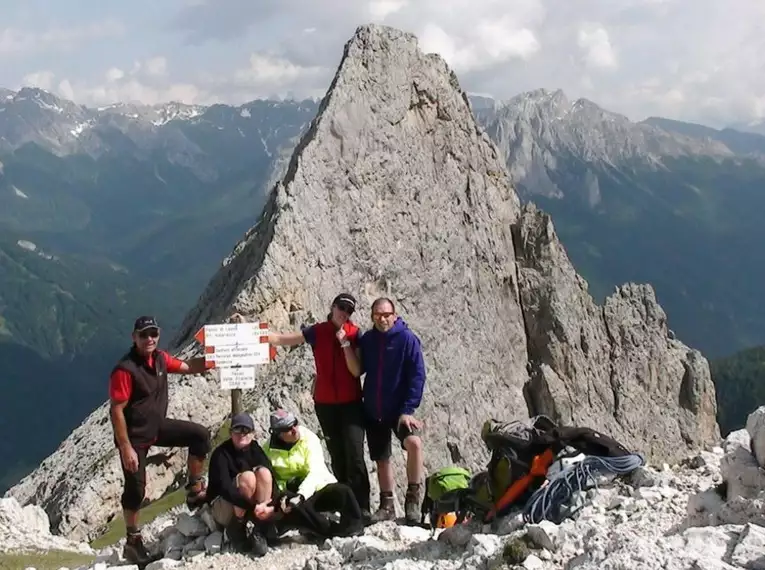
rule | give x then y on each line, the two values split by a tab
151	333
241	431
382	315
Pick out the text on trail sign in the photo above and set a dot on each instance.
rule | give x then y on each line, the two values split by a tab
235	349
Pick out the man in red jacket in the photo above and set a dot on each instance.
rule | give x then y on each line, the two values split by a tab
337	394
139	400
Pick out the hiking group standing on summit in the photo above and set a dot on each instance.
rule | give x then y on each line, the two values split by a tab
388	356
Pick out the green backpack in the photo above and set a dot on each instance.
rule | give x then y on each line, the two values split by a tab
443	491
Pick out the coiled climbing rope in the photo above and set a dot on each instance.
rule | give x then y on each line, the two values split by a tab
547	502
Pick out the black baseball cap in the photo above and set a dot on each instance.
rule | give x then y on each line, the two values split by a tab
242	420
346	302
144	323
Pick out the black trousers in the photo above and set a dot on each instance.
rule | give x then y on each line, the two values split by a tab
335	497
172	433
344	430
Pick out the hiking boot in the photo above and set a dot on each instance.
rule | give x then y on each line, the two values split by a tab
271	532
412	504
196	494
348	530
387	510
258	542
135	552
236	531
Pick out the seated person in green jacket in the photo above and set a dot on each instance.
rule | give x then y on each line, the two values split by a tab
306	484
241	486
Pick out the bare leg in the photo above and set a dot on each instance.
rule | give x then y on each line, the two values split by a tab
247	483
131	518
264	486
195	465
414	459
385	475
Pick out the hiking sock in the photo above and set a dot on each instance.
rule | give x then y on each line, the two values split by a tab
412	507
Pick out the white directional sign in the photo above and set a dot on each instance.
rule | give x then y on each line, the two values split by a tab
233	378
235	349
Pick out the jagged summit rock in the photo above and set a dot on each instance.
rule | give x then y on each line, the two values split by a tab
609	365
395	191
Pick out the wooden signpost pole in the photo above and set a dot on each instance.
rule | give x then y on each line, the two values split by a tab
236	393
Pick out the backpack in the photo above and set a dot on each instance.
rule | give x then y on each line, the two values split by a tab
523	452
590	442
444	491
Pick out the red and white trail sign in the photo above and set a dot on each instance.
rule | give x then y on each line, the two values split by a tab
235	349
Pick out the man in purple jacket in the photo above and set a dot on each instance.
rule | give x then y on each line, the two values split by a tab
391	357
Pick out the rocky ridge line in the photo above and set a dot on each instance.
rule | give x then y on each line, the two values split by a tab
394	190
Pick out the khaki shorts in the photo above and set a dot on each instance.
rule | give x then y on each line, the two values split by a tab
222	511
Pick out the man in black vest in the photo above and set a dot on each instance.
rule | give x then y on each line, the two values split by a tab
139	401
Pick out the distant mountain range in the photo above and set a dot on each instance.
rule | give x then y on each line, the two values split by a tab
110	213
118	211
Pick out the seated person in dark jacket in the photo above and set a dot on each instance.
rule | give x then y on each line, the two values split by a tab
241	487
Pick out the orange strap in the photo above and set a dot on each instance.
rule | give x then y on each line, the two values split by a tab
539	466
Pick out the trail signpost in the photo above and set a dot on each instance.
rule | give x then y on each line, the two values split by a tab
235	349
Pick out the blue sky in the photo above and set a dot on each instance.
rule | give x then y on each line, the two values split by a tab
701	60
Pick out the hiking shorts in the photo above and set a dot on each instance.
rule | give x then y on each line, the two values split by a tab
172	433
379	438
222	511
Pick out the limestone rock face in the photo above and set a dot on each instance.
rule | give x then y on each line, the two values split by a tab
615	367
395	191
28	529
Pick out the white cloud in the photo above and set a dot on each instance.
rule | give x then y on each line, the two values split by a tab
597	48
688	59
66	90
41	79
156	66
134	90
380	9
143	83
114	74
272	70
15	41
704	57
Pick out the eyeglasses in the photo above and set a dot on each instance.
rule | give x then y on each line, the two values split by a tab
153	333
382	315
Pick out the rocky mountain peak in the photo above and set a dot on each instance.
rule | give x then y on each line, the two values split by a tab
540	103
36	115
539	130
394	190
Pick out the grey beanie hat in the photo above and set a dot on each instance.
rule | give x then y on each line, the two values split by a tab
282	420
